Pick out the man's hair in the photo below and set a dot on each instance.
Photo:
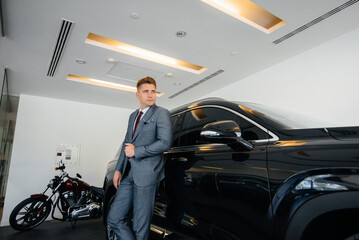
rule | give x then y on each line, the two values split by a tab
144	80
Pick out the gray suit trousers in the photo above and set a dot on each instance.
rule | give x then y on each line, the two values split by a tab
129	196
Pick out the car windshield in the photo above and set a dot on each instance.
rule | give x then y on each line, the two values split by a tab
286	119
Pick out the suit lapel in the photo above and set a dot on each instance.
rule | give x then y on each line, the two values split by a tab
145	118
132	121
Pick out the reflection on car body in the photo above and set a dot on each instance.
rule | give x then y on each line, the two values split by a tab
265	180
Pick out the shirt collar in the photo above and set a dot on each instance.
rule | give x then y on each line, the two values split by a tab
144	110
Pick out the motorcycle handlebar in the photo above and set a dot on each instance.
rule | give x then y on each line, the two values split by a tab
60	168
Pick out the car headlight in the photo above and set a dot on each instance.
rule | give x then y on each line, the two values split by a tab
320	183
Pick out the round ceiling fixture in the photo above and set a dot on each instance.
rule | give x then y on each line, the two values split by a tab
111	61
80	61
181	34
135	15
169	74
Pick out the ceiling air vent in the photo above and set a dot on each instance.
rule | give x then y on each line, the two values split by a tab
62	38
1	22
315	21
196	83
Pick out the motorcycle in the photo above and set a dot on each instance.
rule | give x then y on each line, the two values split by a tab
75	199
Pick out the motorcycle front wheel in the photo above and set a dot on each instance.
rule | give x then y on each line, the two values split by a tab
29	213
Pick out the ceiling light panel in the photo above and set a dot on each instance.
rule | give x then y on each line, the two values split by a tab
132	73
249	13
134	51
103	83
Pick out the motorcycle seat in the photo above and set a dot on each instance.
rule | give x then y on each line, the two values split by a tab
97	190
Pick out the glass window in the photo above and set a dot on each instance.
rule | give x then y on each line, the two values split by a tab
283	119
196	119
176	124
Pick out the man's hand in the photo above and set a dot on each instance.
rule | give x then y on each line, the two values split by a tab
130	150
117	179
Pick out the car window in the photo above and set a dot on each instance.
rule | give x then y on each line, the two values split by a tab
281	118
176	123
196	119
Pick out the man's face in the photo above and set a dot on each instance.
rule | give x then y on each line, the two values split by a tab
147	95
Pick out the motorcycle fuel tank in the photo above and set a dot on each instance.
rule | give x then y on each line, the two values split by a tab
76	185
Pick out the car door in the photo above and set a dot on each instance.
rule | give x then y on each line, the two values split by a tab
218	189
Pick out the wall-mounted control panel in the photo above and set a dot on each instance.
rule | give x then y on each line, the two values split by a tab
69	154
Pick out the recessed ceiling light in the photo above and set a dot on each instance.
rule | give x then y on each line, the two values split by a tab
181	34
169	74
111	61
134	51
80	61
103	83
248	12
135	15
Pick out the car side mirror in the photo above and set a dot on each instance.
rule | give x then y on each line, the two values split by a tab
227	132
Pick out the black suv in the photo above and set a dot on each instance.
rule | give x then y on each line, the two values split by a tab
237	171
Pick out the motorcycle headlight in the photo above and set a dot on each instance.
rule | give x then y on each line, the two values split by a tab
51	183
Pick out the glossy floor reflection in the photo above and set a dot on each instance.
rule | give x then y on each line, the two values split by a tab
55	230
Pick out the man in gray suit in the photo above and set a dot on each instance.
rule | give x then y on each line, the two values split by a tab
140	167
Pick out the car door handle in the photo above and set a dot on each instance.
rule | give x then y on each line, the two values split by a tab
180	159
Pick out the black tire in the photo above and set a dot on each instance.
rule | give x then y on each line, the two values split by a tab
29	213
334	225
353	237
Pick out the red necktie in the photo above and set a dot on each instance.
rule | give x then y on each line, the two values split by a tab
137	121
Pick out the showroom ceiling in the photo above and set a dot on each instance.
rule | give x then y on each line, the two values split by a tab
215	49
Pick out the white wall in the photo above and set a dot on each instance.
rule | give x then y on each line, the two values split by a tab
42	124
322	82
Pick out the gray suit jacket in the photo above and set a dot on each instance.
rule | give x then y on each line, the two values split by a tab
153	136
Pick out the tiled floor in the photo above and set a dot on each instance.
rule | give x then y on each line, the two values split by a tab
92	229
55	230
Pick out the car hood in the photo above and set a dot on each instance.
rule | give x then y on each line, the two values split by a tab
303	133
338	133
344	133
